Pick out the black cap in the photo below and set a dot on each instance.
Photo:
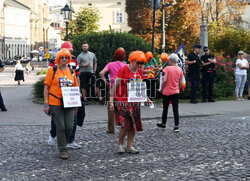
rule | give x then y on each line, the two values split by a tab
197	46
205	48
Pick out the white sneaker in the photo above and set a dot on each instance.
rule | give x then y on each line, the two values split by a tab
51	141
120	149
132	150
73	145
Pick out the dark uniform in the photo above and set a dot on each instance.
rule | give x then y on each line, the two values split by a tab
194	75
208	77
2	106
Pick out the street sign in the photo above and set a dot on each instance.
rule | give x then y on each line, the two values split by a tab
40	48
46	55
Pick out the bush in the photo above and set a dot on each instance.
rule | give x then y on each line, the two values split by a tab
228	40
38	89
104	44
42	72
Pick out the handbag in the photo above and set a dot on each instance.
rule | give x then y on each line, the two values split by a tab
80	115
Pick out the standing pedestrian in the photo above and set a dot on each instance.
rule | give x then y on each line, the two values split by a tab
74	66
112	68
170	89
19	72
208	75
240	75
149	71
88	65
2	106
194	65
127	114
54	81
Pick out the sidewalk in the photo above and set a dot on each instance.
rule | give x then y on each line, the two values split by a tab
22	111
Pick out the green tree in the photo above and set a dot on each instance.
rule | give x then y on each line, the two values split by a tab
85	20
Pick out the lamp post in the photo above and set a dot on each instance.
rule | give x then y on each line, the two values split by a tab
163	26
67	16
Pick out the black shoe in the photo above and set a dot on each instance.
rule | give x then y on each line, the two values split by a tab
204	100
4	109
176	129
248	98
86	103
211	100
161	125
193	102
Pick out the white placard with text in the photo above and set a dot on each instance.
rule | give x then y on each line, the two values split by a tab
137	91
71	97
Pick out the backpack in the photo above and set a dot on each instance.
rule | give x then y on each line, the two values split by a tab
55	69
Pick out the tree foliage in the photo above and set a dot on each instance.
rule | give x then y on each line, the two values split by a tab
182	23
228	40
85	20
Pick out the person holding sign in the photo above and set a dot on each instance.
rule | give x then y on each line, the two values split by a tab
53	98
128	114
170	89
149	71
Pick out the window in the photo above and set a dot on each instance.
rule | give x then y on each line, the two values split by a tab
118	17
89	4
119	3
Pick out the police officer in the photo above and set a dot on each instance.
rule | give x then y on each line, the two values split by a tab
208	75
194	65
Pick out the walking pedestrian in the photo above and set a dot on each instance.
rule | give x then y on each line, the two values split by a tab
2	106
170	89
240	75
18	72
88	65
149	71
63	76
112	68
194	65
127	114
208	75
74	66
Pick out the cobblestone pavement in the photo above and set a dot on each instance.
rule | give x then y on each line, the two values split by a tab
205	149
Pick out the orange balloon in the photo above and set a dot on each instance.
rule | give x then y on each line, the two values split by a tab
164	57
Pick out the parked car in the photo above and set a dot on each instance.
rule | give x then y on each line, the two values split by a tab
10	61
25	59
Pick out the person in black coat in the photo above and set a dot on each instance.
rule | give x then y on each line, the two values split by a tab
2	106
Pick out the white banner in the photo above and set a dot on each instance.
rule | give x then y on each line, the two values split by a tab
137	92
71	97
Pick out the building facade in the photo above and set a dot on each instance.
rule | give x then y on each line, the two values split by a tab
56	27
16	29
39	22
1	30
112	12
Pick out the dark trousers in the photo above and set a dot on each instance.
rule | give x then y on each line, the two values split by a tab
1	102
151	88
208	85
194	80
72	136
175	102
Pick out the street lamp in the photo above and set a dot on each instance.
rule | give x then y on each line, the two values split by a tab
164	5
67	15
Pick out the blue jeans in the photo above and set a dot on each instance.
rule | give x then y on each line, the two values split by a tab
73	134
194	79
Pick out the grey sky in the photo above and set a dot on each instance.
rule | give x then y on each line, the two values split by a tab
57	2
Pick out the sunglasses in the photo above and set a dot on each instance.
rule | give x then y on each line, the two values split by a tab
139	63
206	50
66	58
240	54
